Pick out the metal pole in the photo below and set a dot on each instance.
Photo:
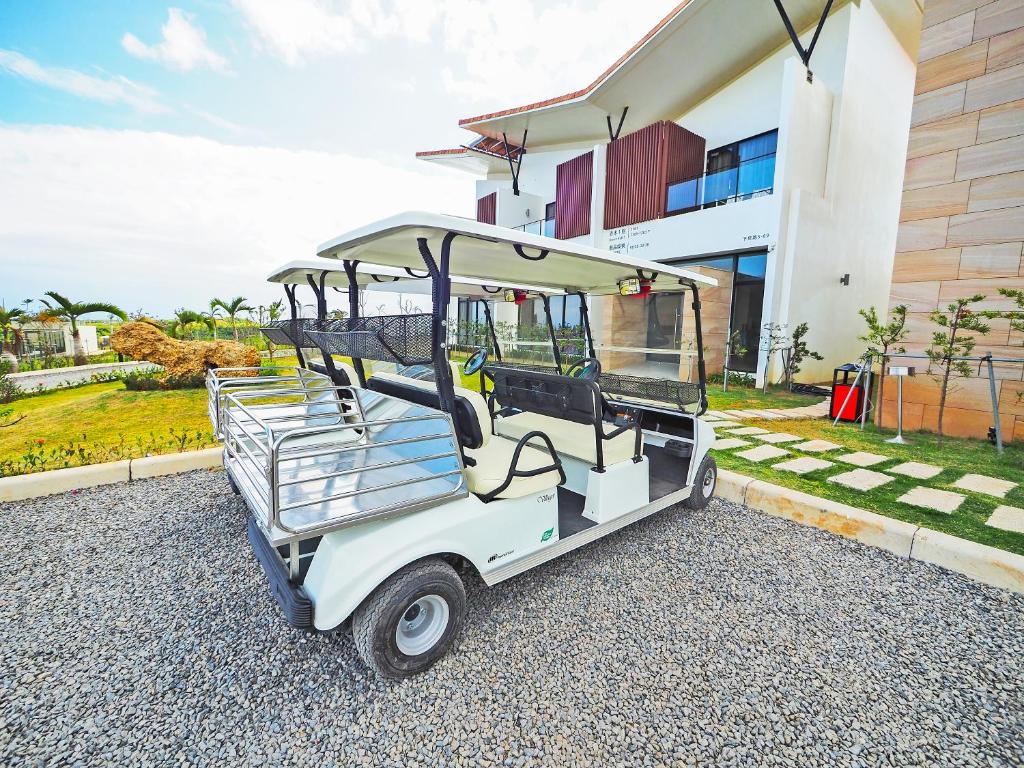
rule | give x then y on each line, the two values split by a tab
551	331
899	439
867	388
995	403
725	369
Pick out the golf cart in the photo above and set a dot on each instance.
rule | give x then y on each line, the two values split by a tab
368	496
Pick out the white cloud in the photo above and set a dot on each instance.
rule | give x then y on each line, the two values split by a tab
183	45
108	89
492	51
159	221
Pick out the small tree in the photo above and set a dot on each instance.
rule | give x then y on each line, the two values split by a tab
232	309
178	326
796	353
951	343
62	308
9	318
773	339
884	338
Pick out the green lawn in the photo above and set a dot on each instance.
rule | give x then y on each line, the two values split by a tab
958	456
104	420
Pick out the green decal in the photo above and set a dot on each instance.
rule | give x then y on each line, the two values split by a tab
547	534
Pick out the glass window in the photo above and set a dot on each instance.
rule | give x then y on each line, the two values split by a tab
752	266
741	170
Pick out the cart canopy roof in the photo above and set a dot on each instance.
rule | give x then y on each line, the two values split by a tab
391	279
488	253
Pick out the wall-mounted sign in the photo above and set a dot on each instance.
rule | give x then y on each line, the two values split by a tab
634	239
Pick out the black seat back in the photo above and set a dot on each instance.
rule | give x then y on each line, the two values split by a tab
548	394
467	425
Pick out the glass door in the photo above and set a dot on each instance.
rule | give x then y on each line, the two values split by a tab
664	326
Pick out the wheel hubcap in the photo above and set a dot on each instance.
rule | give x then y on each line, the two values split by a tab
422	625
708	484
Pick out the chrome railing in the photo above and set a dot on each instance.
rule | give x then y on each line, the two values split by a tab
545	227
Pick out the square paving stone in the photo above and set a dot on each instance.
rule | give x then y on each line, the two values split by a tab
861	459
861	479
716	415
724	424
916	470
737	414
1007	519
749	431
779	437
932	498
992	486
763	453
725	443
816	446
803	464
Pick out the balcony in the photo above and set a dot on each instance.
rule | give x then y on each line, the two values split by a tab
545	227
751	178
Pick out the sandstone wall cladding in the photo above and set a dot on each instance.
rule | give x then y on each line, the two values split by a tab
962	215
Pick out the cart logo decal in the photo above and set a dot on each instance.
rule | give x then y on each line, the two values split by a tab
497	556
545	498
547	534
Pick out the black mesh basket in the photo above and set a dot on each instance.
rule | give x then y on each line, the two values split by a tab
678	393
290	332
402	339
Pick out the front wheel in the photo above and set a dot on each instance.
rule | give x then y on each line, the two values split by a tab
410	620
703	484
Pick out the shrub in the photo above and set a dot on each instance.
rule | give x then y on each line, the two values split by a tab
151	381
736	379
9	390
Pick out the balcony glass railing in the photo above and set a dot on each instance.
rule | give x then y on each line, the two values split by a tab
544	227
752	178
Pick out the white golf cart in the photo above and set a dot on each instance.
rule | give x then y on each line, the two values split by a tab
369	493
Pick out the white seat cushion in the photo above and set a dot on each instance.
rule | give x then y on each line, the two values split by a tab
568	437
493	462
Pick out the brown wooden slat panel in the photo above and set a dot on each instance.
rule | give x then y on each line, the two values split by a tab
487	208
574	182
641	164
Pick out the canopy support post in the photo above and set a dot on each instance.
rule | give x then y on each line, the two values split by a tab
490	327
551	332
319	289
701	371
805	53
441	291
353	312
518	164
289	291
587	332
613	135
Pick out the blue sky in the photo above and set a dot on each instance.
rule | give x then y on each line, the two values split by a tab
158	154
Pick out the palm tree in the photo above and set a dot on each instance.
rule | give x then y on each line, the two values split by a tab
273	313
8	318
183	318
66	310
233	309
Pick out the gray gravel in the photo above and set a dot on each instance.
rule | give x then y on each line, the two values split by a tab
136	628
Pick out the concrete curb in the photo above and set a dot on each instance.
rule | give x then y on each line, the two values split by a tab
39	484
978	561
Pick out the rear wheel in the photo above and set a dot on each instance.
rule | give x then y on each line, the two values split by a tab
410	620
703	484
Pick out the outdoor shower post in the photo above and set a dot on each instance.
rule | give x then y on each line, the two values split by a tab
995	403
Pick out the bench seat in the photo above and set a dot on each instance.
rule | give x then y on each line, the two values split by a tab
568	437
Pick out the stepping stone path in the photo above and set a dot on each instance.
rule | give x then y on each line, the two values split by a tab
803	465
816	446
748	431
861	479
992	486
1007	519
725	443
932	498
779	437
862	459
716	415
916	470
762	453
724	424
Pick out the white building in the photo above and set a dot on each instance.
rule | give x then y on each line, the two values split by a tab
732	155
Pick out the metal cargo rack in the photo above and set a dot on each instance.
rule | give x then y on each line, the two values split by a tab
307	465
677	393
223	381
291	332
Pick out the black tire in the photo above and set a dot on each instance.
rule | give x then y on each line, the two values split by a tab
704	483
376	623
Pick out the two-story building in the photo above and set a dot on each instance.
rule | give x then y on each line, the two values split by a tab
711	144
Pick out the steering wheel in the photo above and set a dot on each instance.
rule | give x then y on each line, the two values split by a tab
588	368
475	363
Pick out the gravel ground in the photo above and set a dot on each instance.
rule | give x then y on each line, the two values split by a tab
136	629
